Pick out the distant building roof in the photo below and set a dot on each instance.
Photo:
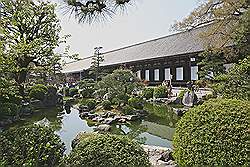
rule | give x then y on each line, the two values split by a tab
175	44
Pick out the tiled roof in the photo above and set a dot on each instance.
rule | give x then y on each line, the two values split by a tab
176	44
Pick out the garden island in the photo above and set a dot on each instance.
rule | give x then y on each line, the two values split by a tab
177	100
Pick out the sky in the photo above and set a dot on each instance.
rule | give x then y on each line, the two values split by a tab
147	19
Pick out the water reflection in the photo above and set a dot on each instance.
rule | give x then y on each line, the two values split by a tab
71	126
156	129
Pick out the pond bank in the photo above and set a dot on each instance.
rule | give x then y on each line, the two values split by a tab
148	131
159	156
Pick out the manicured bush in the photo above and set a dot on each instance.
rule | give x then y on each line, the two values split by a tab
128	110
73	91
38	92
215	133
87	87
123	98
30	146
106	104
136	102
160	92
107	151
148	93
120	99
91	103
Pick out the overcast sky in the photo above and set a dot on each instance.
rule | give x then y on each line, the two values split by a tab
146	20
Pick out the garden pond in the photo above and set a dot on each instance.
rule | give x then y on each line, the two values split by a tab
155	129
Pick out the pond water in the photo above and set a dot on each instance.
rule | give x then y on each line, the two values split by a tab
155	129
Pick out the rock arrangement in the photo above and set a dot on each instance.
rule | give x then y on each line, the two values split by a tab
160	156
109	117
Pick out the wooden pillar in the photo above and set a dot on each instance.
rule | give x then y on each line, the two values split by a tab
187	69
162	72
151	75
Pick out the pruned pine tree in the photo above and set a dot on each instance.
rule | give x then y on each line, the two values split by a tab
97	59
89	11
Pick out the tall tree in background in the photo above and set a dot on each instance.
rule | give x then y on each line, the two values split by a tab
228	22
30	32
97	59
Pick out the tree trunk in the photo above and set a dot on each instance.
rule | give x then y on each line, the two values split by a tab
20	79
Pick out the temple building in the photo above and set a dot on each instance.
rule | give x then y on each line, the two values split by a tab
173	57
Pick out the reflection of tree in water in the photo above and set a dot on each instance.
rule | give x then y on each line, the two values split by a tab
131	130
161	114
53	115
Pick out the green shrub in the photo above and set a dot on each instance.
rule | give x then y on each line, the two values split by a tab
30	146
214	134
106	104
202	83
40	86
136	102
182	93
123	98
160	92
38	92
120	99
88	87
209	96
73	91
128	110
8	109
91	103
236	83
107	151
66	91
148	93
52	90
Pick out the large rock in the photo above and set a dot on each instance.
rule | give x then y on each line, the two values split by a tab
103	128
91	116
36	103
109	121
132	117
43	122
189	99
160	156
84	114
59	99
83	109
141	112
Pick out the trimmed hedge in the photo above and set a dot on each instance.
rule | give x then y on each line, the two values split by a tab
107	151
30	146
214	134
